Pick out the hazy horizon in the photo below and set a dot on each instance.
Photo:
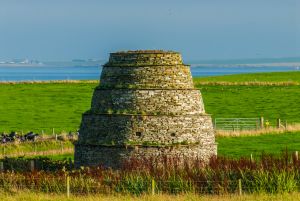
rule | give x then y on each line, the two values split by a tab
201	30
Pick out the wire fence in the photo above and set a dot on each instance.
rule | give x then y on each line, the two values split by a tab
70	185
221	175
244	124
237	123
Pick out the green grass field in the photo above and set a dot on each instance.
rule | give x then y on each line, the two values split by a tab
270	102
255	77
43	106
236	147
40	107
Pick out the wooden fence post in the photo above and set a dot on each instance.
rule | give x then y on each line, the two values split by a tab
285	124
296	155
68	186
31	165
240	187
215	124
70	163
61	147
278	123
53	133
3	151
1	166
153	186
261	122
35	149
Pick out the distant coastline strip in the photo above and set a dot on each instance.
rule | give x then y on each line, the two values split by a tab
50	82
196	83
250	83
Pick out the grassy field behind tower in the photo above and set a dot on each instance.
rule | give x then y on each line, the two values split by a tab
284	77
43	106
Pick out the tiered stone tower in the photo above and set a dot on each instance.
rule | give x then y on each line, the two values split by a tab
146	105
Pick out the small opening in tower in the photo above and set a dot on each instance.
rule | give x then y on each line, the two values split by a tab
173	134
139	134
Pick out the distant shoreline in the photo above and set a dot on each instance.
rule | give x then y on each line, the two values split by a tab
287	64
49	82
262	65
22	65
44	65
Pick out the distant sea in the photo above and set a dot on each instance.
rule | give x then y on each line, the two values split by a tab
34	73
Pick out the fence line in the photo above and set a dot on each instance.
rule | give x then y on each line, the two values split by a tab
247	124
237	123
153	187
68	187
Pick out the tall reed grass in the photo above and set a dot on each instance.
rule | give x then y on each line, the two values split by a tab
220	176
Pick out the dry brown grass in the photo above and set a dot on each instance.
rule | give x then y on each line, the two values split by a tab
45	146
265	131
39	153
28	196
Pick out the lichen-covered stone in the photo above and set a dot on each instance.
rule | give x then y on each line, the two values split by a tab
112	156
146	99
119	129
167	77
143	58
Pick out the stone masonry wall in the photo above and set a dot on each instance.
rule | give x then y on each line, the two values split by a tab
112	156
144	58
153	130
147	101
174	76
145	106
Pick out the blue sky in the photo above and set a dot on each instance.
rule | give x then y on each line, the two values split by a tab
202	29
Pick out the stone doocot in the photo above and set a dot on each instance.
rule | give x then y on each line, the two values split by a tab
145	106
